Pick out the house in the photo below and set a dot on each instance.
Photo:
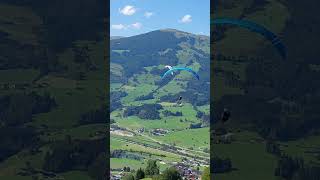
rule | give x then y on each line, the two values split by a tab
141	130
159	132
223	139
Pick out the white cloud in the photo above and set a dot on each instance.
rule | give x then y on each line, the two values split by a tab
128	10
118	26
136	25
148	14
186	19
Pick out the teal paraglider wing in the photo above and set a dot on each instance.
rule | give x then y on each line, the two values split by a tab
181	69
255	28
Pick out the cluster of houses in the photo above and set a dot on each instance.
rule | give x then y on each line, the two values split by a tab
155	132
117	176
188	173
141	130
192	162
159	132
7	86
114	127
223	139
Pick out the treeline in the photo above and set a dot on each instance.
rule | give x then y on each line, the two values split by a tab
169	98
290	168
152	170
192	96
158	72
194	99
220	165
16	55
94	116
118	153
125	154
82	56
69	154
195	125
273	148
17	109
167	113
115	98
13	139
205	118
219	33
146	111
145	97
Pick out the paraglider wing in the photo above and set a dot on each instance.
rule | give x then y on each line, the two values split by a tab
180	69
169	67
258	29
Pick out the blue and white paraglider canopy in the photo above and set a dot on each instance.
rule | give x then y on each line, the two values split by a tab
172	69
275	40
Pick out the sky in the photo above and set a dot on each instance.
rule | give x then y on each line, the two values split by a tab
133	17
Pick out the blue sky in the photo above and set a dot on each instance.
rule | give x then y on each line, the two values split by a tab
132	17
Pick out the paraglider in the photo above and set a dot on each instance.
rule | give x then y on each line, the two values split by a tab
255	28
179	101
170	71
225	115
169	67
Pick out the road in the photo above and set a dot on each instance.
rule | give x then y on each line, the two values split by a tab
198	156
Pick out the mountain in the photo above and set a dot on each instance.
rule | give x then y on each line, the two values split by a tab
166	46
140	61
147	54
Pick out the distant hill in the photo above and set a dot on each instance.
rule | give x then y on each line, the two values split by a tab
160	47
140	61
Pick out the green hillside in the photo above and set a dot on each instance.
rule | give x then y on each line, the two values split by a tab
51	82
273	128
137	64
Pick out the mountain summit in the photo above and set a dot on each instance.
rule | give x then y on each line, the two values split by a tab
160	40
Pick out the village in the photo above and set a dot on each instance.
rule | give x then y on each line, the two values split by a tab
186	172
188	167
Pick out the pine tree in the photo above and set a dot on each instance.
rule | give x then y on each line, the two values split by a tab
140	174
152	168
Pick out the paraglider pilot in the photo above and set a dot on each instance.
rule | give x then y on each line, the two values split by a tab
179	100
225	115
